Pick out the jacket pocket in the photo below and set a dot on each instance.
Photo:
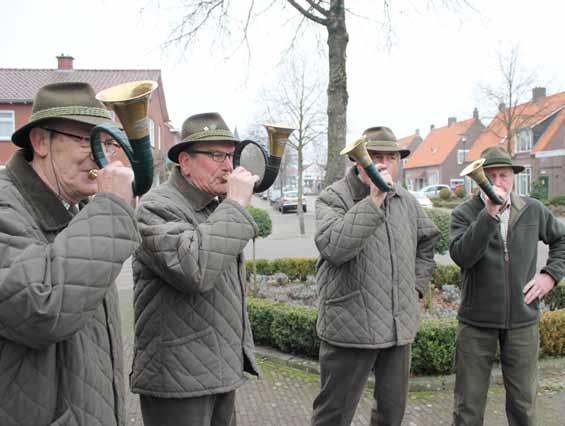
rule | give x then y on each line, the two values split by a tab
346	319
67	419
192	362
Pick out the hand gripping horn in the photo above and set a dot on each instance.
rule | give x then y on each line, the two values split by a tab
130	102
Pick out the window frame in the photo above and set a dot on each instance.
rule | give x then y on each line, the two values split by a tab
12	119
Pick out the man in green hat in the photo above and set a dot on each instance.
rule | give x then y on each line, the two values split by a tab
193	340
496	245
376	257
60	338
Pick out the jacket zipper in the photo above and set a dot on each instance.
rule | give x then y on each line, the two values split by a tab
506	275
392	274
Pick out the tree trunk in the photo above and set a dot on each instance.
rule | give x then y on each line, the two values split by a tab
337	91
300	191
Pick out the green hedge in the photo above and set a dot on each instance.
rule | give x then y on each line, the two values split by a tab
263	221
441	218
555	299
292	329
446	274
297	269
446	204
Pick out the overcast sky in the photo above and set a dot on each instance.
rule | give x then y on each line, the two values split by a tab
430	72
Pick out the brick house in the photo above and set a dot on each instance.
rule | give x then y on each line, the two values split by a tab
440	157
538	141
411	143
18	87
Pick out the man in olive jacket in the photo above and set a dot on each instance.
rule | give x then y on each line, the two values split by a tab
193	341
376	255
496	248
60	339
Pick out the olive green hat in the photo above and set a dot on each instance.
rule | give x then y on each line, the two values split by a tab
206	127
498	157
70	101
382	139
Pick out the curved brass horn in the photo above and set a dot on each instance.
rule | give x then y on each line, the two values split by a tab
476	172
278	137
357	150
130	101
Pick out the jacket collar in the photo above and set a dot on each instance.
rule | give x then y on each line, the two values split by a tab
359	190
198	199
46	206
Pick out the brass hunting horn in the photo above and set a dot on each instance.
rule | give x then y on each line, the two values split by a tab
476	172
357	150
130	102
278	137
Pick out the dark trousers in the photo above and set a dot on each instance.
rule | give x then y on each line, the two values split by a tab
213	410
475	354
343	375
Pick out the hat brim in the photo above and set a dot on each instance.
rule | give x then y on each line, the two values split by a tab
176	149
403	152
515	168
21	136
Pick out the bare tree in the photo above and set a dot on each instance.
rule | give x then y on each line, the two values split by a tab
328	15
511	98
297	98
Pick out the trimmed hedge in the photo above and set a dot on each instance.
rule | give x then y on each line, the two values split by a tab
263	221
441	218
297	269
555	299
446	274
293	329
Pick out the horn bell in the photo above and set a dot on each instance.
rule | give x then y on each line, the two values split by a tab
476	172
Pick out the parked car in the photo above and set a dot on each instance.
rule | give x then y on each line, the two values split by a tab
423	199
289	202
274	195
433	190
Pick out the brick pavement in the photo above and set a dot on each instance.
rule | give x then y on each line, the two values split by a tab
284	394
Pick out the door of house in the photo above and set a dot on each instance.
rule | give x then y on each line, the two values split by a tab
544	187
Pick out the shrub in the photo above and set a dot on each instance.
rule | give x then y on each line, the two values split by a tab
434	347
263	221
292	329
537	190
449	204
555	299
558	200
441	219
552	333
460	191
445	194
446	274
297	269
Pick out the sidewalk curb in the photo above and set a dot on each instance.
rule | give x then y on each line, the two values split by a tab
416	384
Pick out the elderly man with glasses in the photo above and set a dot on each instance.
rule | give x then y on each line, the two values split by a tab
193	341
60	340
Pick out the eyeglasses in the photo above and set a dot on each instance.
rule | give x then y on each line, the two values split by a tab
110	146
217	156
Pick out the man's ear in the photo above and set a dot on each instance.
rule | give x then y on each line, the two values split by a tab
39	140
184	163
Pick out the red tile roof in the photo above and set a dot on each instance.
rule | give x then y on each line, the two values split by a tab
435	148
20	85
527	115
404	142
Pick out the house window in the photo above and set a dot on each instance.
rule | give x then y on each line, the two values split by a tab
433	178
524	140
7	125
151	127
522	181
461	153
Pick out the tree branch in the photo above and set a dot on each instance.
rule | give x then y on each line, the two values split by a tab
307	13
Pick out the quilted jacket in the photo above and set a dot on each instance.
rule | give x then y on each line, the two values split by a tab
60	341
373	260
192	334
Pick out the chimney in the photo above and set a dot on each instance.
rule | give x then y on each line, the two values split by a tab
538	93
475	114
64	62
451	120
501	107
432	127
417	132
